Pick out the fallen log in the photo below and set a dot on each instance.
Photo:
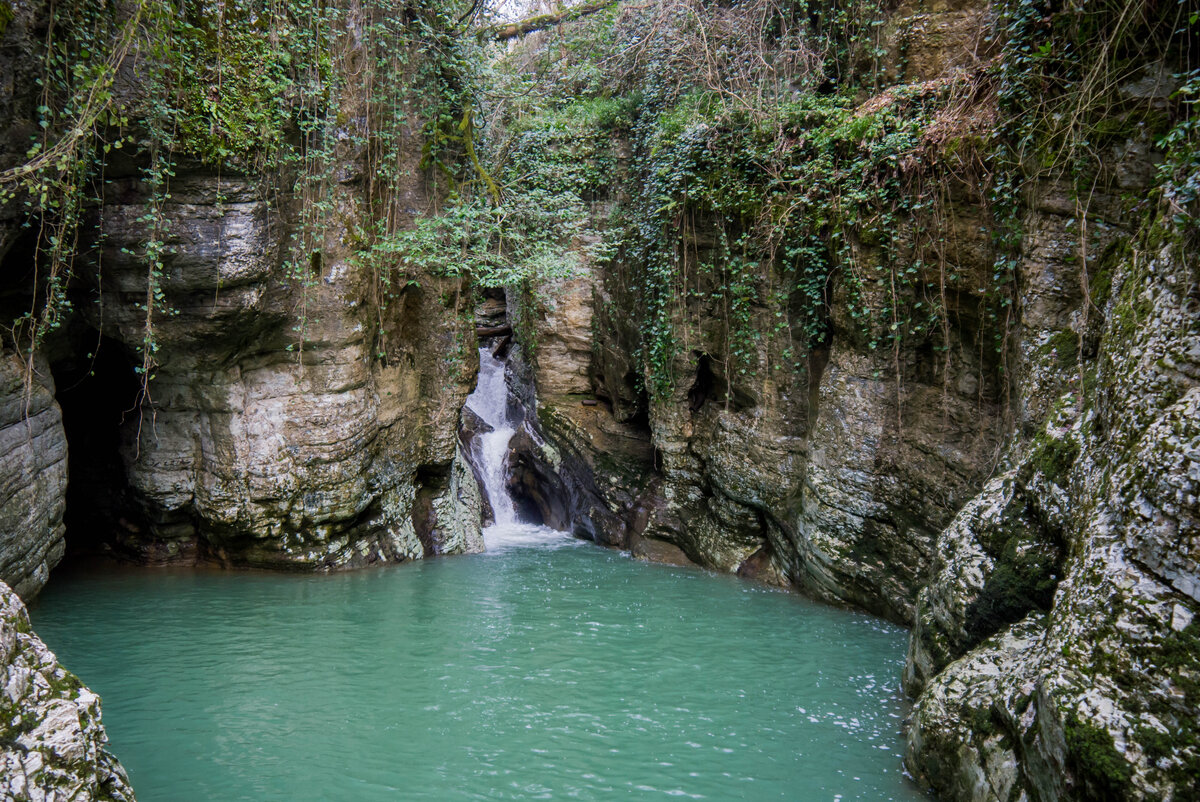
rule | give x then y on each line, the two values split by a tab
512	30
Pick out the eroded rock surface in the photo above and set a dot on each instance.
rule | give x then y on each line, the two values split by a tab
1090	542
1031	510
33	476
52	744
279	428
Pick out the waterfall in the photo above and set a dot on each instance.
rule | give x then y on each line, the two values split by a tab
490	403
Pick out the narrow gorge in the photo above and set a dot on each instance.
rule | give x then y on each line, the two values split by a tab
884	314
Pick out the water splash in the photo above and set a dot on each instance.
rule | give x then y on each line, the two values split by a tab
502	538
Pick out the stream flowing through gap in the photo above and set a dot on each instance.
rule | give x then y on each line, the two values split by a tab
546	668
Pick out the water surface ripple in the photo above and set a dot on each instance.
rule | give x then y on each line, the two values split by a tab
544	669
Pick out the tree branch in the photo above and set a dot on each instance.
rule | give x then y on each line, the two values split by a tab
512	30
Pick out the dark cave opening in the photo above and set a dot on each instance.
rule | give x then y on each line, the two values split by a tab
430	481
713	384
98	391
18	268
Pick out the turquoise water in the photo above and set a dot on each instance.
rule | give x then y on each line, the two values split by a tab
545	670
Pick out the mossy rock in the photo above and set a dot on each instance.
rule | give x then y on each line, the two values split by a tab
1025	578
1065	345
1054	457
1102	773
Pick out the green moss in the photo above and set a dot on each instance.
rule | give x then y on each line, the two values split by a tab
1102	772
1157	744
1054	457
1065	345
1028	567
981	721
6	16
65	685
1100	284
1180	656
1016	586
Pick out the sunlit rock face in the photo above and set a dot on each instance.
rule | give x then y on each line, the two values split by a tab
52	744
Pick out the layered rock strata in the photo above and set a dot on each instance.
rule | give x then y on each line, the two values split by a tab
33	475
1033	512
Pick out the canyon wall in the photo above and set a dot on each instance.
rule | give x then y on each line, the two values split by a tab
285	407
1030	509
1014	476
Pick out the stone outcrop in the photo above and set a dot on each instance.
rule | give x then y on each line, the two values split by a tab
290	419
1032	513
52	744
33	476
1055	652
1030	510
834	475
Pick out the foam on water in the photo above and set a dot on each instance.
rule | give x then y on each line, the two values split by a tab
505	537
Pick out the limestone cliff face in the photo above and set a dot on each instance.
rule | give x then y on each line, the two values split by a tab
300	411
52	744
33	478
832	471
1092	693
291	420
1032	513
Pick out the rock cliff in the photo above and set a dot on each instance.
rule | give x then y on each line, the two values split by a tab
279	408
1030	508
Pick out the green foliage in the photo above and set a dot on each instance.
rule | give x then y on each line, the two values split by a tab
527	229
752	188
1103	772
1180	171
800	191
291	92
491	246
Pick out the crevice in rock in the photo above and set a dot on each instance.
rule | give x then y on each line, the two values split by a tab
98	391
713	385
431	481
18	266
537	491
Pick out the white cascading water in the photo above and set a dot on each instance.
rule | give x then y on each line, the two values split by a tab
490	402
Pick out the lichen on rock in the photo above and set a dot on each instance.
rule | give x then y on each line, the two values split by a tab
52	744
